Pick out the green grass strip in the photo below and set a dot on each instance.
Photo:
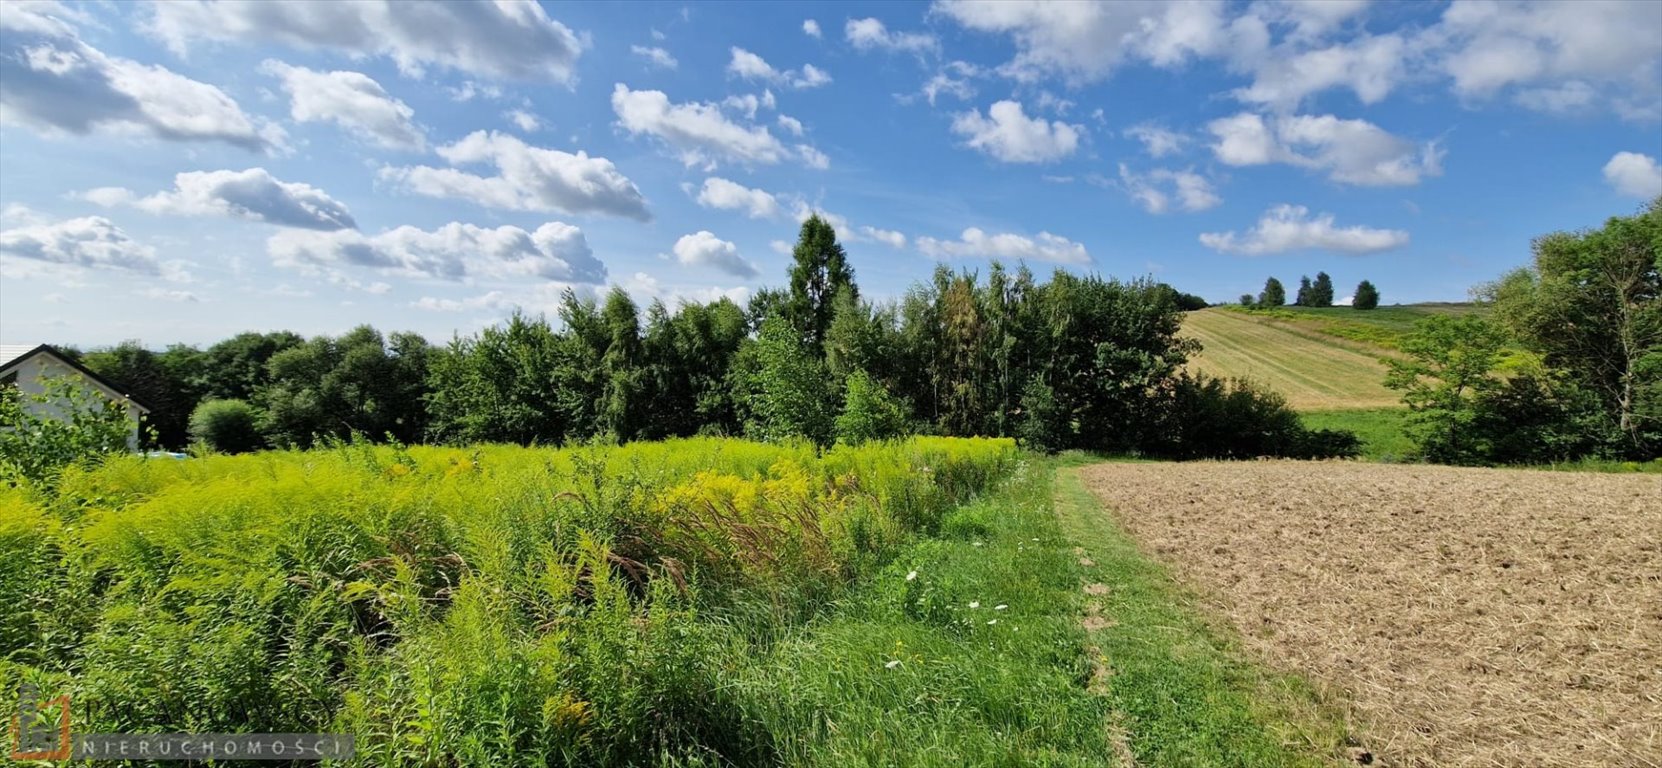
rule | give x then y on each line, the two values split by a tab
1181	693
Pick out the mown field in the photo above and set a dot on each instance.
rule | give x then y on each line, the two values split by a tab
1469	617
1313	371
693	602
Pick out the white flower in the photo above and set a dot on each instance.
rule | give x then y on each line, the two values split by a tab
990	623
975	603
1000	607
892	664
976	544
912	575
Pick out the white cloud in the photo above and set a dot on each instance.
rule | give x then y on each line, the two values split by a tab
54	82
1353	152
91	242
791	124
813	158
780	247
491	300
526	121
703	248
747	104
508	40
974	243
726	195
1157	141
869	33
469	90
1495	45
811	28
1290	228
1564	98
528	178
1083	42
1009	135
1371	66
888	237
253	194
455	251
752	67
164	294
1634	175
698	131
658	57
1155	190
351	100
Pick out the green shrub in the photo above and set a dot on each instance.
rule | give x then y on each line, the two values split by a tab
227	426
65	424
1223	418
869	412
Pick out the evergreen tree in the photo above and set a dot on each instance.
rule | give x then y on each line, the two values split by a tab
1321	294
1367	296
1306	296
819	272
1274	295
620	411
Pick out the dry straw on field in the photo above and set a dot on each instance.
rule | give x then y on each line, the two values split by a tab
1472	617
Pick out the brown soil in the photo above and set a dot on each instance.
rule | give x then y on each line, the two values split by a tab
1470	617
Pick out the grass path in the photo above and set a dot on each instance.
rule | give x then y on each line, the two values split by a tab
1179	691
1313	372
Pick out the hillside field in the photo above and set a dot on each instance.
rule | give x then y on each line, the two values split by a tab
1313	370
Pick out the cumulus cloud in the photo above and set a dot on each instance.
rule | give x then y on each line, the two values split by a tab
1009	135
507	40
726	195
811	28
869	33
1353	152
352	100
812	157
752	67
887	237
1291	228
526	121
1370	66
1157	142
703	248
253	194
1155	190
1495	45
1084	42
455	251
699	132
1634	175
90	242
791	124
56	83
657	57
974	243
528	178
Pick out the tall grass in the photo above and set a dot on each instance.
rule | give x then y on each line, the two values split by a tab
513	606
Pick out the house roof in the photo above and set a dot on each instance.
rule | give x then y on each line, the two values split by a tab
11	355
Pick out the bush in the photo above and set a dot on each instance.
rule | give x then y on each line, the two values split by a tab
1044	425
1367	296
869	412
227	426
36	445
1227	418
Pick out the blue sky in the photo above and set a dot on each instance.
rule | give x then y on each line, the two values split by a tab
187	170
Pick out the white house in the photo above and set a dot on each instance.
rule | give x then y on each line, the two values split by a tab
29	368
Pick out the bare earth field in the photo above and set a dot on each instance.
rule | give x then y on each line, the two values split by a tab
1472	617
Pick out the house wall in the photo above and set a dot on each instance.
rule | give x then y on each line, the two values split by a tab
32	375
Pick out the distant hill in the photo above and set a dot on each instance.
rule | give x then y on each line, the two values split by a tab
1320	359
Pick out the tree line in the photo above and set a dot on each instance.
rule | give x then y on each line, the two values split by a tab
1566	364
1069	362
1311	294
